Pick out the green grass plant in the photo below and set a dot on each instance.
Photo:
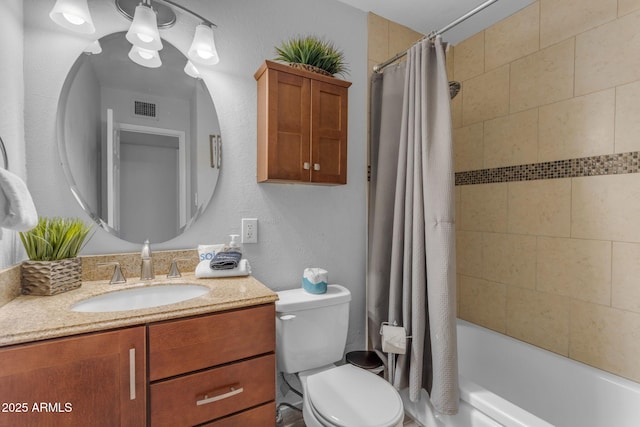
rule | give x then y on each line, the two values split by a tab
314	51
55	238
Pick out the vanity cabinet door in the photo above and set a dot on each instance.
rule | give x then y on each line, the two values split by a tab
89	380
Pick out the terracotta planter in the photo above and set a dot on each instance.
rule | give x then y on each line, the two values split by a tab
51	277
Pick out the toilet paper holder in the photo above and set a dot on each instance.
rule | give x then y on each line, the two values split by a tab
394	338
393	345
395	324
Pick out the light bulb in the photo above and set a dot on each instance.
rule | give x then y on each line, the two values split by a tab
204	54
145	57
145	54
74	19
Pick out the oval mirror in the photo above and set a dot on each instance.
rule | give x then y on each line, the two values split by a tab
140	147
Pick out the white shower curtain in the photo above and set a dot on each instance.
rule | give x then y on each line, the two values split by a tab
411	273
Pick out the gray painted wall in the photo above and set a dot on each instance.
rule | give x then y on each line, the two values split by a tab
11	110
299	225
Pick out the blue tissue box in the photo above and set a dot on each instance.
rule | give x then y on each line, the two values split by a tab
314	288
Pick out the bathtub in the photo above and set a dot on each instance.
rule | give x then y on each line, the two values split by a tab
506	382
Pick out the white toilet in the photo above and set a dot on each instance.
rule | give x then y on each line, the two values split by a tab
311	333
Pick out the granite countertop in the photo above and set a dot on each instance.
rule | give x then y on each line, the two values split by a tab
34	318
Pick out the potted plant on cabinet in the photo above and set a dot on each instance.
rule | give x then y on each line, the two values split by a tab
312	54
52	247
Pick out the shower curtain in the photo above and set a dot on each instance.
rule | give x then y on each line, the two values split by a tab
411	270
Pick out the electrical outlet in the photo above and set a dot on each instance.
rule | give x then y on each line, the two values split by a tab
249	230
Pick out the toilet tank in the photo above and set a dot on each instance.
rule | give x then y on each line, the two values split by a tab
311	329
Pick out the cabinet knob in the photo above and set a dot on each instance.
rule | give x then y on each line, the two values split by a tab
305	166
316	166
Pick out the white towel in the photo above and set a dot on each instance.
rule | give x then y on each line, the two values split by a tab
17	211
204	270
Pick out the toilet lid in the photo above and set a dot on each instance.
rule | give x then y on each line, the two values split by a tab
348	396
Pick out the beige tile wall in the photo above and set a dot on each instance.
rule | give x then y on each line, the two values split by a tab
386	38
556	262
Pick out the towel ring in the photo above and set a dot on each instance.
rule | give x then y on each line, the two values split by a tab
5	159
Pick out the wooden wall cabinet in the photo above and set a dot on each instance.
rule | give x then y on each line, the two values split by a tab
302	126
89	380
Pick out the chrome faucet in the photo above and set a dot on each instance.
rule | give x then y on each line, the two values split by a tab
146	267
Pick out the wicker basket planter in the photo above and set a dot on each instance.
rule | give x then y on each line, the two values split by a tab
51	277
311	68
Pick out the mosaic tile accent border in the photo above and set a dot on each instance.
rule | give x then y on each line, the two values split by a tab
608	164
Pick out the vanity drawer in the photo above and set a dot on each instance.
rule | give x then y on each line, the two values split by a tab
262	416
214	393
180	346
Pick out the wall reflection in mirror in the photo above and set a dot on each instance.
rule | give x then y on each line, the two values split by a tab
140	146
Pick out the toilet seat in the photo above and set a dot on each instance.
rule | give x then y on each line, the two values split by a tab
347	396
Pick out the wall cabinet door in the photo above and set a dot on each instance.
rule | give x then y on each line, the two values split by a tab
88	380
328	133
302	126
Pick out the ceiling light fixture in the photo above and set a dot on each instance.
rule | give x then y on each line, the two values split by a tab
148	17
146	57
191	70
73	15
203	48
94	48
143	31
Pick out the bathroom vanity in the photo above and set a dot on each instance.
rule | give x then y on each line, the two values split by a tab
206	361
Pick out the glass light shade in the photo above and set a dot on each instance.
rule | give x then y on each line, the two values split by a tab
145	57
143	31
191	70
203	49
94	48
73	15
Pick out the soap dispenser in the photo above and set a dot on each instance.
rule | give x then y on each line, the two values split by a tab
234	243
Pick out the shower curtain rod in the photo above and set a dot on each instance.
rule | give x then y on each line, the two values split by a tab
379	67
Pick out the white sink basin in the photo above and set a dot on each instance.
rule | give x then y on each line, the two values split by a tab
137	298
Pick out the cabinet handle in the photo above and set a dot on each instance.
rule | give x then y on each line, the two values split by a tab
233	390
132	374
305	165
316	166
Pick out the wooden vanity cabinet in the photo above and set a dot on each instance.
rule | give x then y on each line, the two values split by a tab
88	380
217	369
302	126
